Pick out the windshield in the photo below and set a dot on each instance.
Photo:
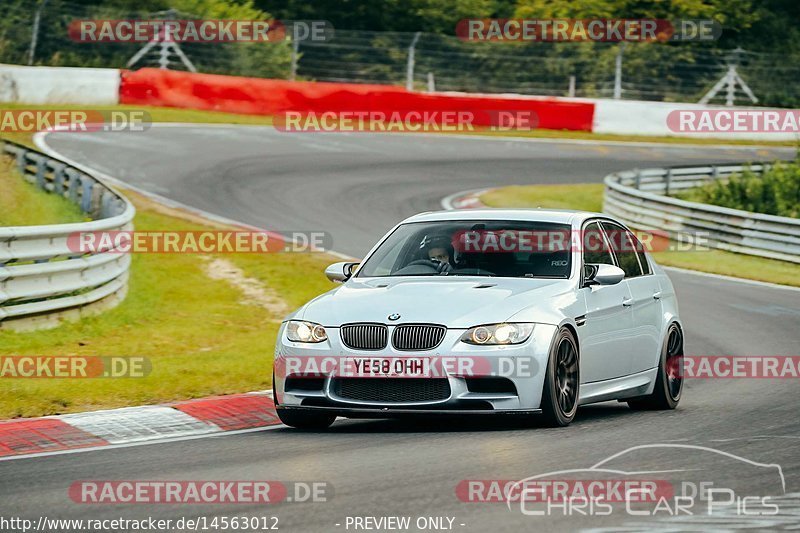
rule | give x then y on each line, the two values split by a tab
516	249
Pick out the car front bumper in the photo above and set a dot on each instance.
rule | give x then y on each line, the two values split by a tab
516	375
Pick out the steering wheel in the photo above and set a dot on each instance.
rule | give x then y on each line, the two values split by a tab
428	264
424	262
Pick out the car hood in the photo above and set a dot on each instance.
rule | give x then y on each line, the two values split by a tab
454	302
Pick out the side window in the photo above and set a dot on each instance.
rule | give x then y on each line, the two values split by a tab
624	249
640	252
595	247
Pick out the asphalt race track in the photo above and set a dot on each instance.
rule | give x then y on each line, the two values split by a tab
356	186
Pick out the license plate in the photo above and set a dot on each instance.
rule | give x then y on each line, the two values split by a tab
396	367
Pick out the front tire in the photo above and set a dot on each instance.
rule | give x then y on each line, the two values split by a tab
305	419
669	381
302	419
562	381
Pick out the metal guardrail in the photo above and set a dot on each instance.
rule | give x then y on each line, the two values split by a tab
41	277
641	199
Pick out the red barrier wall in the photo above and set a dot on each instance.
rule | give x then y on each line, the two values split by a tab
267	97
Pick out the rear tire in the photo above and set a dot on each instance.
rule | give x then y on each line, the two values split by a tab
562	381
669	382
305	419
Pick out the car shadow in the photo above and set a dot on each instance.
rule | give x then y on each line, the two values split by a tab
447	424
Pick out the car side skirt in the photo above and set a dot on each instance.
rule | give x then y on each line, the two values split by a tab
639	384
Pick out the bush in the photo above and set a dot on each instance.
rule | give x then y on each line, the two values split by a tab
776	192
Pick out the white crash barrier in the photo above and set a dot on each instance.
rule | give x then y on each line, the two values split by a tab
634	117
59	85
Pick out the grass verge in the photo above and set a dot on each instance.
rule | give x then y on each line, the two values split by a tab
24	204
589	197
202	335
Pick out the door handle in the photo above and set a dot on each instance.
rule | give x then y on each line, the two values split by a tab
657	295
627	302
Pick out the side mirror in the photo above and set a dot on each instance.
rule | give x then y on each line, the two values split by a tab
603	274
340	272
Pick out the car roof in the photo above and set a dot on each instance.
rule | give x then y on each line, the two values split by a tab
562	216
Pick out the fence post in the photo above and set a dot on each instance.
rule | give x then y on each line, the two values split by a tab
37	18
295	53
410	64
618	72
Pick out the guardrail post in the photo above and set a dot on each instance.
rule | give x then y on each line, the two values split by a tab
106	204
86	196
58	178
41	171
638	182
97	201
73	181
714	172
22	162
667	182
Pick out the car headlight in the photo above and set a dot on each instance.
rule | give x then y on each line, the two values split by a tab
302	331
498	334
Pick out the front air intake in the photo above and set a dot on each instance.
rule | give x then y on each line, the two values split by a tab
391	390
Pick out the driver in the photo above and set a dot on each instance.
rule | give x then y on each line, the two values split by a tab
440	250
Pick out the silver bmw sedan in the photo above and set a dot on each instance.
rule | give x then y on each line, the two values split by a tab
507	312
